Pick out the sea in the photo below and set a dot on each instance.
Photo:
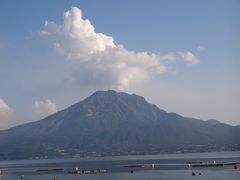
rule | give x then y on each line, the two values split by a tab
137	167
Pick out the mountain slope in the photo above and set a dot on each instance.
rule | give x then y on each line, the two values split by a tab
111	123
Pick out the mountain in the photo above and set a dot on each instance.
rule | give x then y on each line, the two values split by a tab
213	121
115	123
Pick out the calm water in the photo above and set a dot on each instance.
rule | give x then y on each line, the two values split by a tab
167	167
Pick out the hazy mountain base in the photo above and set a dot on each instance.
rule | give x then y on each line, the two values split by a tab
111	123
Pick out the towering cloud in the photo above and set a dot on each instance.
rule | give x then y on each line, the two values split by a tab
5	114
101	62
44	108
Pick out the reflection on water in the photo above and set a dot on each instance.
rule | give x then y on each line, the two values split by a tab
166	167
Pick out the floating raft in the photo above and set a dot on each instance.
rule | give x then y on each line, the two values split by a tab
194	162
139	166
88	171
213	164
47	170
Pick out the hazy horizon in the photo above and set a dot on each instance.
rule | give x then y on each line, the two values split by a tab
180	55
107	90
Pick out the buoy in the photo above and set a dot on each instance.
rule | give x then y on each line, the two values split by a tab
22	176
200	174
193	174
131	171
235	166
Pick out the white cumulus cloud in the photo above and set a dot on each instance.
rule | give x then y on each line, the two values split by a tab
5	114
44	108
101	62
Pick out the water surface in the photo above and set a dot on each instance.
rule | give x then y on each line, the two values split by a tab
166	167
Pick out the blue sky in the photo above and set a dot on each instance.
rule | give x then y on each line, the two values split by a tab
36	80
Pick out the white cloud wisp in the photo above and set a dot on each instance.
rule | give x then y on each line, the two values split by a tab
5	114
44	108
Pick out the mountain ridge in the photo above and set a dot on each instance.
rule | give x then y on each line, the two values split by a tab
115	123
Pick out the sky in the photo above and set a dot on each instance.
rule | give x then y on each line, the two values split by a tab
180	55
